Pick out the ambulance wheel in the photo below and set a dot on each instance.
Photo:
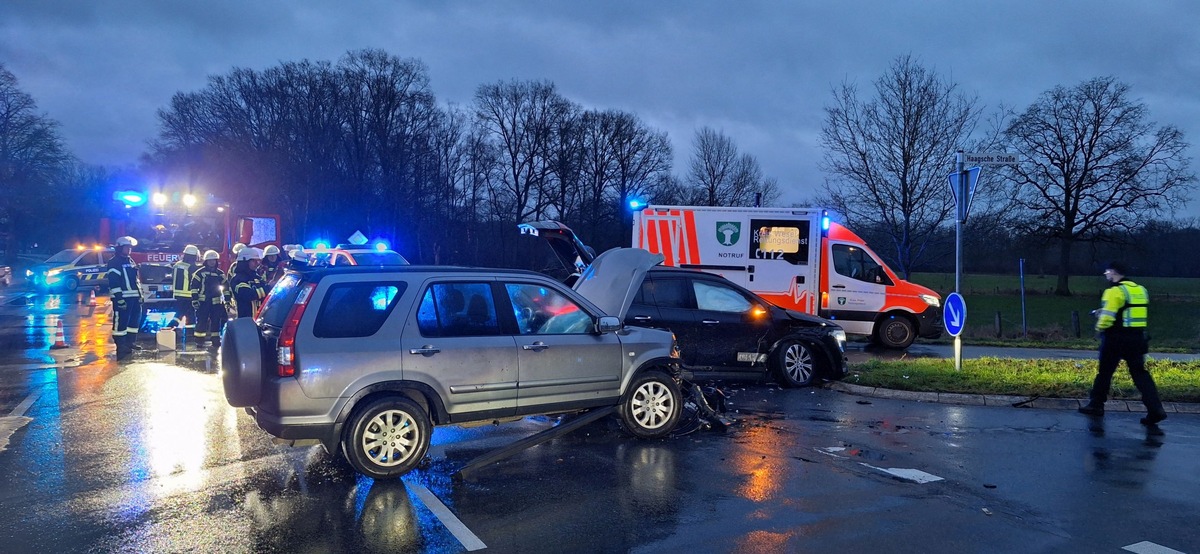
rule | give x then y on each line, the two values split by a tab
71	284
895	331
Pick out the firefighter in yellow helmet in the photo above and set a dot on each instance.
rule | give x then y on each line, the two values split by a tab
248	288
126	291
208	281
1121	325
181	287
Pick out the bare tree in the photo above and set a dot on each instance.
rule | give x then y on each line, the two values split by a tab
889	155
521	118
1094	165
719	176
33	160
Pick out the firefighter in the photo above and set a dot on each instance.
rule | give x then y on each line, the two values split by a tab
1121	327
181	287
248	288
126	294
272	265
237	249
297	257
208	282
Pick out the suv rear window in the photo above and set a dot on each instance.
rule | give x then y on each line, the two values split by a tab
356	309
279	301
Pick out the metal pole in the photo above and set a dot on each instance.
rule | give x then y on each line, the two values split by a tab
1024	325
961	201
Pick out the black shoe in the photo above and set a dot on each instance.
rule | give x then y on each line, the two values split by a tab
1093	410
1153	419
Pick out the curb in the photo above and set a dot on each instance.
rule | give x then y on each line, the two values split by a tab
1004	400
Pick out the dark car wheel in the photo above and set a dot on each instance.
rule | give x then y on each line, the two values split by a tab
387	438
650	409
71	284
895	331
793	364
241	363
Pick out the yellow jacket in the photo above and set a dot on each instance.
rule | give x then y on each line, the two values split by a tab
1123	305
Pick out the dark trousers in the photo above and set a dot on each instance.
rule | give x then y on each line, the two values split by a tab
1131	347
183	310
125	326
209	319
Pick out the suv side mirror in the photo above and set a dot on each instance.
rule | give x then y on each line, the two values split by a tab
608	324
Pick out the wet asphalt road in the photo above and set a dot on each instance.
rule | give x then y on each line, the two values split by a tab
148	457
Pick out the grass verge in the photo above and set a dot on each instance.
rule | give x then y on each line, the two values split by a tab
1177	381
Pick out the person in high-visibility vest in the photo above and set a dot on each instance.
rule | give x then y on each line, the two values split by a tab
1121	326
126	291
181	287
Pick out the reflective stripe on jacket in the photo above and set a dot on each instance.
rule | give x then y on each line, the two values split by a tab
123	278
1123	305
181	280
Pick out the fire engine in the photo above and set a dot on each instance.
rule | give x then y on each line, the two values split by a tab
165	221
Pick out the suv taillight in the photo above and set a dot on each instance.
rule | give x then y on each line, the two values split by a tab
286	353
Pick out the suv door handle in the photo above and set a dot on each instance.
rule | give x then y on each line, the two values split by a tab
641	318
536	347
427	350
709	321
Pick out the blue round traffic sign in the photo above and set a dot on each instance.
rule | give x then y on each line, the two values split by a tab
954	314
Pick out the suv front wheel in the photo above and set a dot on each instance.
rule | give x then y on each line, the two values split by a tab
793	364
651	407
388	437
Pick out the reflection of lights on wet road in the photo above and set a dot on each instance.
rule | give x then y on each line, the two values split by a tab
761	461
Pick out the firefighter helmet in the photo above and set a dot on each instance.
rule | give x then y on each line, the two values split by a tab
191	250
211	255
249	253
237	248
297	253
271	250
126	241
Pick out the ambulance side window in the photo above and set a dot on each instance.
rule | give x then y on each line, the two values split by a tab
854	262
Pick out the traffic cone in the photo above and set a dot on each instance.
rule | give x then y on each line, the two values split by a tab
92	298
59	340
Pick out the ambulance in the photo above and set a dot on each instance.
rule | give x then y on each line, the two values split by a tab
795	258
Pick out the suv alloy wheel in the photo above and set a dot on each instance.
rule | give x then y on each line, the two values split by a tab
387	438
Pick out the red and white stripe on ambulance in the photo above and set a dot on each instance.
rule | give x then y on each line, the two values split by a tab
732	251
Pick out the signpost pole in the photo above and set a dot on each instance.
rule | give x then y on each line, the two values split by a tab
960	209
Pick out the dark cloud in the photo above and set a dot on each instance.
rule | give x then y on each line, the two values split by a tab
760	71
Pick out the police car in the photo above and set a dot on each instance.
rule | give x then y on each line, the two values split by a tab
351	254
71	268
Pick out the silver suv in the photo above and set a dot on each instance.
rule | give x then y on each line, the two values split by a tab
368	359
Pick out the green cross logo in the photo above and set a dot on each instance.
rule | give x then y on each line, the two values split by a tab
728	232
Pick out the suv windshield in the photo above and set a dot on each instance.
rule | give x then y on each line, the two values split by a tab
279	301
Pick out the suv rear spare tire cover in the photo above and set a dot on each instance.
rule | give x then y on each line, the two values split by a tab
241	363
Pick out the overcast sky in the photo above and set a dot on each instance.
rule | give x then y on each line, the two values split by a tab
761	72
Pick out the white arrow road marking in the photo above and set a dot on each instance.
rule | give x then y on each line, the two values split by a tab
448	519
1147	547
914	475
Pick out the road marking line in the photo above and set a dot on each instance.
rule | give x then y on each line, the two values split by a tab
1147	547
8	426
25	404
448	519
914	475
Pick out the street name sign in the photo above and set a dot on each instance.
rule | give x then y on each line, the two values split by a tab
990	158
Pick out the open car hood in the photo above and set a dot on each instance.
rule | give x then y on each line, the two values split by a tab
614	277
